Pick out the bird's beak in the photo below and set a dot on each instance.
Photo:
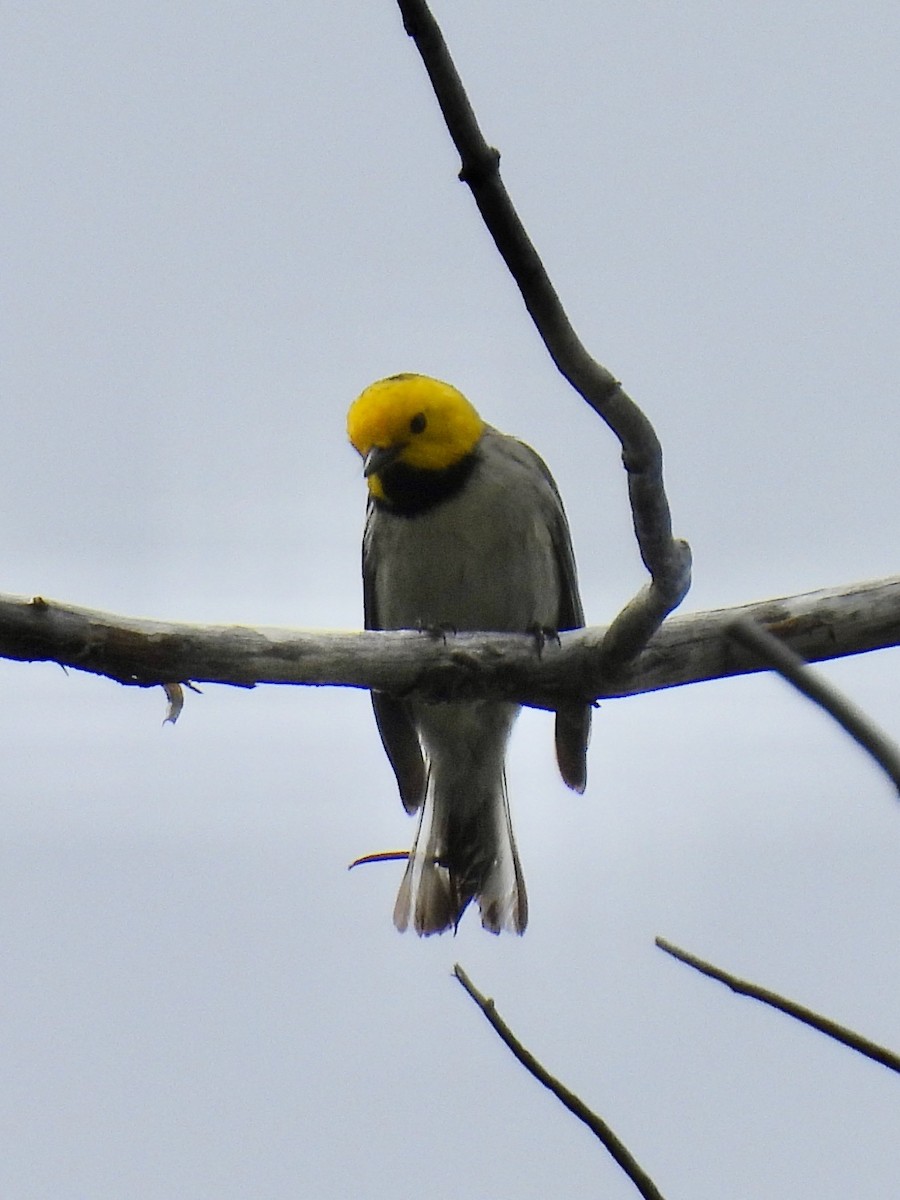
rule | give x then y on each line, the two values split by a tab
380	458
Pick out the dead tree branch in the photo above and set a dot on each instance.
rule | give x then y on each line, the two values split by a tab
792	667
825	1025
573	1103
687	649
667	559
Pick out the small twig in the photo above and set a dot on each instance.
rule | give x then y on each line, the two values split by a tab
175	697
825	1025
576	1106
667	559
794	669
380	857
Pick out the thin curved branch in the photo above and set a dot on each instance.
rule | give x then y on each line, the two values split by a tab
792	667
687	649
832	1029
667	559
573	1103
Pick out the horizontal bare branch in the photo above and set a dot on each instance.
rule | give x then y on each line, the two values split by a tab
687	649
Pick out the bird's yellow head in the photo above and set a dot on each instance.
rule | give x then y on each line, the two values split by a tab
411	426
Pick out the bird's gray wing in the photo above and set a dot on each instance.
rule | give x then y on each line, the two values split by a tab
573	721
569	614
392	716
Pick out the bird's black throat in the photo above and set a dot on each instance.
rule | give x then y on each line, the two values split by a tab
409	491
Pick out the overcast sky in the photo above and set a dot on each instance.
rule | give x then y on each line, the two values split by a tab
221	221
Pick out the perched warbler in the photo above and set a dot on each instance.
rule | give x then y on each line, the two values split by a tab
465	530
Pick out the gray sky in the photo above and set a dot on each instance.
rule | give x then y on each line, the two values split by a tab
221	223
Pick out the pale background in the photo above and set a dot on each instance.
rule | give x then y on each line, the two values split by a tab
221	221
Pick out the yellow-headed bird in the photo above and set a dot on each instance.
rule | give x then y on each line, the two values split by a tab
465	530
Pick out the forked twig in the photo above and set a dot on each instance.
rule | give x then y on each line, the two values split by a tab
742	987
781	658
667	559
573	1103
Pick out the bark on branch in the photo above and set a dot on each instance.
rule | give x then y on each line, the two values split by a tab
687	649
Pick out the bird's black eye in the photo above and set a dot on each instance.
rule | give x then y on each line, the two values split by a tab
418	423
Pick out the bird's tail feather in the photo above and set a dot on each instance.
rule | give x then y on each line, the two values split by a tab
464	850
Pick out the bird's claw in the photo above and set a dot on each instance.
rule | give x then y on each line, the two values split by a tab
437	632
543	634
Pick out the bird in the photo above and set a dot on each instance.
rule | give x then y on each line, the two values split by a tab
464	530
